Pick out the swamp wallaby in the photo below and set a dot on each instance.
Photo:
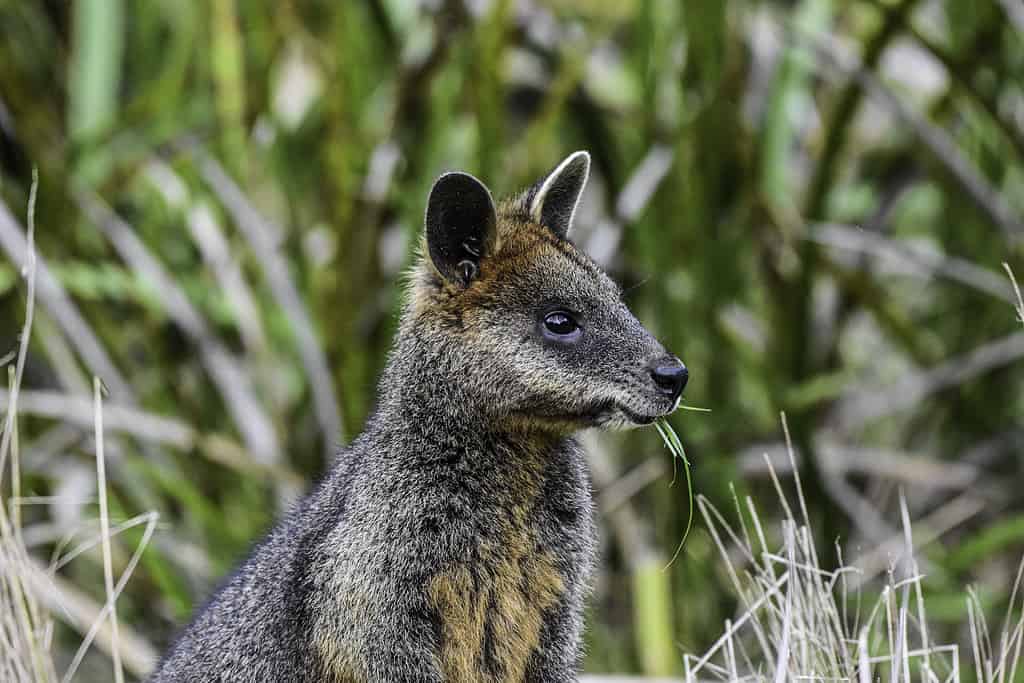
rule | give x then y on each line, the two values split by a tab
453	539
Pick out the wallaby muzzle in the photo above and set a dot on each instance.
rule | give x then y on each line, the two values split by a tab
670	376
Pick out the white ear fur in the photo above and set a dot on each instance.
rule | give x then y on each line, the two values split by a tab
555	202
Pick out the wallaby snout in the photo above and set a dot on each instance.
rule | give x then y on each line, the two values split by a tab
669	375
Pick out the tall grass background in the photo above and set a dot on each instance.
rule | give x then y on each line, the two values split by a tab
810	202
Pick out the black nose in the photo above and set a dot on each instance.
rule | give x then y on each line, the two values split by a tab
670	375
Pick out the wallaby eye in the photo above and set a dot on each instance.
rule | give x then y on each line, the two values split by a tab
561	326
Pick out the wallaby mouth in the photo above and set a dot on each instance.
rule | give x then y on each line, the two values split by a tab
639	419
606	414
616	415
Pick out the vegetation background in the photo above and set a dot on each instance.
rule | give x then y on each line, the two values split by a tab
809	201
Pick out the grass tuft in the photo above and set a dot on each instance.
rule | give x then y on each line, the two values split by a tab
801	622
31	593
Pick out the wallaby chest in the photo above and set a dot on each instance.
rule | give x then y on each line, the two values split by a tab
493	604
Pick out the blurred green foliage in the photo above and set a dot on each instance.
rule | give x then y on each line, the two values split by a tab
734	165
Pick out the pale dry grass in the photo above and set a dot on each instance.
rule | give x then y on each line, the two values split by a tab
800	621
32	595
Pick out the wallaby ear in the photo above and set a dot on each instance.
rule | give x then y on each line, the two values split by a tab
554	203
461	226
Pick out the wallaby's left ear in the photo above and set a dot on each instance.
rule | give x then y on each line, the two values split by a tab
554	203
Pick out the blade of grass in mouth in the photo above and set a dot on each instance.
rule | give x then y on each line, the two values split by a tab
675	446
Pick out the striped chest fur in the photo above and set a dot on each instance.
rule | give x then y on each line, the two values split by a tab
492	611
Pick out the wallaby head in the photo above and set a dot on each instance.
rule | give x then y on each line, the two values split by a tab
533	329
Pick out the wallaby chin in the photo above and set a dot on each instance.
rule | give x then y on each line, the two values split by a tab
453	540
626	419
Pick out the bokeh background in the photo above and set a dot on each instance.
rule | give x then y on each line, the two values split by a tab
809	201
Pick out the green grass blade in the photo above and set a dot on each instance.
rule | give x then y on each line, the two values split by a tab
675	446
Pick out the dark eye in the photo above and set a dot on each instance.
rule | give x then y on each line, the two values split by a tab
561	325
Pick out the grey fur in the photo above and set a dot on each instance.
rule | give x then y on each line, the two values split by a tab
453	539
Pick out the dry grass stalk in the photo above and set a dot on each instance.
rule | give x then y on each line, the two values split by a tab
801	622
1019	304
108	568
25	630
30	594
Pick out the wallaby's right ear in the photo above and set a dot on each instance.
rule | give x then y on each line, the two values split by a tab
461	226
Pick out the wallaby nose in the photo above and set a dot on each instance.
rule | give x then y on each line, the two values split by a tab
670	375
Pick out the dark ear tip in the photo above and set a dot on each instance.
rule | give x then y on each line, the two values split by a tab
458	180
578	161
554	202
449	176
458	189
574	169
579	156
